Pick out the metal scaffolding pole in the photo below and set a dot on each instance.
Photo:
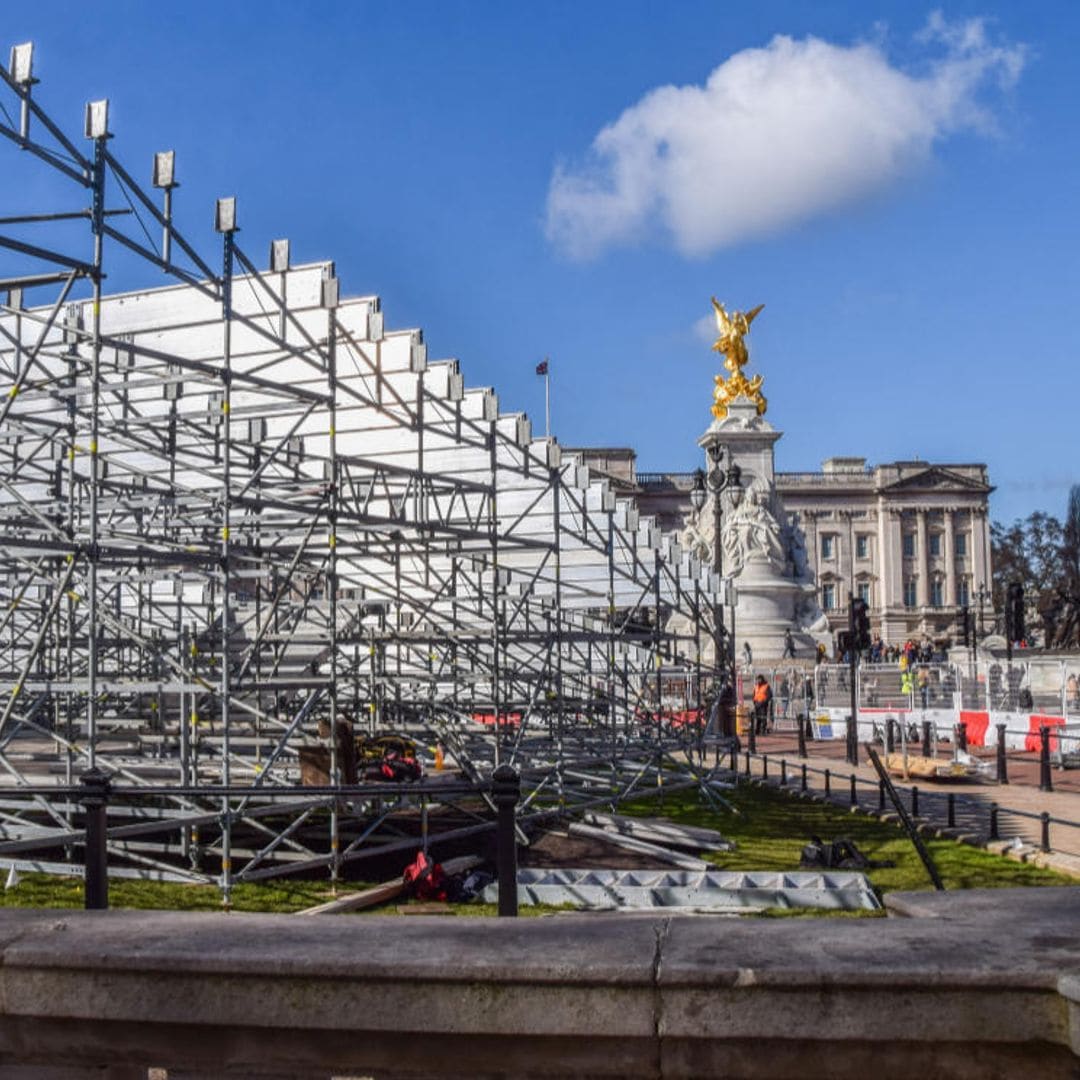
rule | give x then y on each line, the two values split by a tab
171	460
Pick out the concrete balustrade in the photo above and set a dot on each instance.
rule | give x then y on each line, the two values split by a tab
984	983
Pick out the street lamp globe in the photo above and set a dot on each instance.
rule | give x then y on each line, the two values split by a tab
697	492
734	483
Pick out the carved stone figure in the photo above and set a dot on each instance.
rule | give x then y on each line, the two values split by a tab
751	531
797	553
697	536
809	616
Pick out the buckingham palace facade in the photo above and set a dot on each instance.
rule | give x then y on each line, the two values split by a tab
912	538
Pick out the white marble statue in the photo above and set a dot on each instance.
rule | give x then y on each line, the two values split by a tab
759	534
697	536
751	531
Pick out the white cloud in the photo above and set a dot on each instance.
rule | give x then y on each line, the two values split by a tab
775	135
705	328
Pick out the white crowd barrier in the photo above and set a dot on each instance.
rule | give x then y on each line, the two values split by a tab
1024	697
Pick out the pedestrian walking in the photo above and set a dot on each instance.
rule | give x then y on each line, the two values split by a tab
762	701
907	685
922	680
785	696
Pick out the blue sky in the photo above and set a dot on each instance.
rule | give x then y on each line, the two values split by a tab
902	200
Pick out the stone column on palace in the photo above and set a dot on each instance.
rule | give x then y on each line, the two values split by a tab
891	561
848	541
980	570
950	558
815	561
922	561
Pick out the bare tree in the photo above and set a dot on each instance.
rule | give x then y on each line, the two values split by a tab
1030	551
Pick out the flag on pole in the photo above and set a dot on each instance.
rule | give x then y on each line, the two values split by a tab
542	368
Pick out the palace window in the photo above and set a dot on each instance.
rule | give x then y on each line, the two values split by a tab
862	547
936	591
909	592
909	545
828	597
961	544
827	547
862	591
963	593
935	543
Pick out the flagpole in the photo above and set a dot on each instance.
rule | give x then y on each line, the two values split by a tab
547	398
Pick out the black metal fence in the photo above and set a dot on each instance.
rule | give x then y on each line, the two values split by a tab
96	792
986	818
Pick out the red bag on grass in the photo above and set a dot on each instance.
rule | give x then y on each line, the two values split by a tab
427	878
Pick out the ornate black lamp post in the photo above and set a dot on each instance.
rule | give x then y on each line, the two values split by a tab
719	480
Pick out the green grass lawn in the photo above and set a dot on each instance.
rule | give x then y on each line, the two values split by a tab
54	891
772	827
283	897
769	830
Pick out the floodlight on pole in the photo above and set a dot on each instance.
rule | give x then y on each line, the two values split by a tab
165	178
330	292
279	256
225	215
165	169
21	64
279	264
97	119
21	70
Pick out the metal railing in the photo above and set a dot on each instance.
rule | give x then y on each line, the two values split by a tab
1039	686
950	809
96	794
926	741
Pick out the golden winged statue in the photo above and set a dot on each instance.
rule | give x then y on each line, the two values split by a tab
732	329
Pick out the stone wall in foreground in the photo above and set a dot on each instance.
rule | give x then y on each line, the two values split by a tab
977	984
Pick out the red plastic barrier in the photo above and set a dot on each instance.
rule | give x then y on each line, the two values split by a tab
1032	741
689	716
977	723
505	719
665	716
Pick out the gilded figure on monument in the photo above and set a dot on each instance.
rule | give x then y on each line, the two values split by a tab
733	329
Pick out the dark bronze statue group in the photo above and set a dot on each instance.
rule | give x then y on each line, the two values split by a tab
1061	620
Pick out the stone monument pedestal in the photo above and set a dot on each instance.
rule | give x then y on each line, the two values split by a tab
762	550
767	606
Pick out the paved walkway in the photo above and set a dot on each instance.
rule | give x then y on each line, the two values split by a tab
1019	803
1023	767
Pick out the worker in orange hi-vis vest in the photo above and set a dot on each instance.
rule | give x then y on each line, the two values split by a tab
762	700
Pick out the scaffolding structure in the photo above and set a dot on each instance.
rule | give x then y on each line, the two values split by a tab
243	520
